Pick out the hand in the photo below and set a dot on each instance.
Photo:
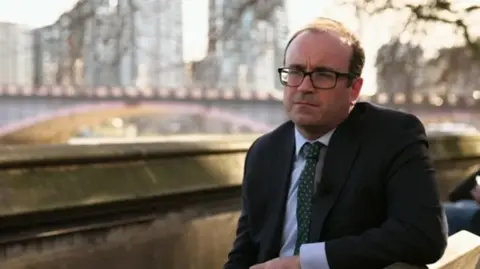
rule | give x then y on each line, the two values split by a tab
280	263
476	193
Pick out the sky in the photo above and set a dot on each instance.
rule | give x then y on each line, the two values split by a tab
36	13
33	13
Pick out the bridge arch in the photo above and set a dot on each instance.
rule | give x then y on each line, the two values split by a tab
57	126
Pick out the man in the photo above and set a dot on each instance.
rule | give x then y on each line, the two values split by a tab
344	184
463	210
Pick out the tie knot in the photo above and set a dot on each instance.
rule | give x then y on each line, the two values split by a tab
312	150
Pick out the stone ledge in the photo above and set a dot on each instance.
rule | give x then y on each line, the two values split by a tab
463	252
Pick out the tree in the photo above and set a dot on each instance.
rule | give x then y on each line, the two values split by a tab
448	70
423	14
454	70
397	66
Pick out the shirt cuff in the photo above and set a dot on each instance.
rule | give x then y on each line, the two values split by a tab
313	256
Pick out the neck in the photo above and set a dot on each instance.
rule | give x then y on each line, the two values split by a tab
314	132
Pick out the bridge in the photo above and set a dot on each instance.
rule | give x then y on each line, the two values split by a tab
21	107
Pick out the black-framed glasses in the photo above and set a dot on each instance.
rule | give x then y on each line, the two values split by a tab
321	78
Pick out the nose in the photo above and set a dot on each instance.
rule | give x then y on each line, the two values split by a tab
306	85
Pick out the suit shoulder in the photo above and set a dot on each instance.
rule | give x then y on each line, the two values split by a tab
390	118
270	139
264	145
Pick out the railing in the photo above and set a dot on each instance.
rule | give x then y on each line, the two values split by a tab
150	205
450	100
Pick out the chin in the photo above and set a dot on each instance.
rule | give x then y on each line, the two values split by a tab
305	120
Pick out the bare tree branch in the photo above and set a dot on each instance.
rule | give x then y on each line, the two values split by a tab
397	66
429	11
452	70
433	13
455	69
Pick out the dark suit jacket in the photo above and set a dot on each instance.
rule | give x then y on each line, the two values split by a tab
377	201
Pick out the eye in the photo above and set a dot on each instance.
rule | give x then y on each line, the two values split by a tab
285	74
323	75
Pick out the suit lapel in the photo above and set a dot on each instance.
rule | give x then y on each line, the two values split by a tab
279	180
341	153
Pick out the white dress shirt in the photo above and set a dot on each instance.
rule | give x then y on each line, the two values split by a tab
312	256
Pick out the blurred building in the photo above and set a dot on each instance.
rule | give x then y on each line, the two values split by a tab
140	43
112	43
16	57
160	43
247	47
49	54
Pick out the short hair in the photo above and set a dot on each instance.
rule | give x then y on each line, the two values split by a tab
321	24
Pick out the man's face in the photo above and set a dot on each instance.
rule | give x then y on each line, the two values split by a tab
307	106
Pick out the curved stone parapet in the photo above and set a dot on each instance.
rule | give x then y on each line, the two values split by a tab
46	177
50	177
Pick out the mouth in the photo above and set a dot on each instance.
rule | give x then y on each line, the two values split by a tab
304	104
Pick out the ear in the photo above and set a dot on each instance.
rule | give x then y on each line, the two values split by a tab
356	89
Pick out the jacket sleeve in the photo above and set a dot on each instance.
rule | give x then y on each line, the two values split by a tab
415	230
244	251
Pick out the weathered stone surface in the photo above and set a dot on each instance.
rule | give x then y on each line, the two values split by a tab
53	177
36	178
179	241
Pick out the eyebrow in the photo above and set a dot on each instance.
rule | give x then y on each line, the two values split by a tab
319	68
296	66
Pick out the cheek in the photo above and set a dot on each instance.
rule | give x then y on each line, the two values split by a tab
326	97
287	97
338	96
339	101
333	101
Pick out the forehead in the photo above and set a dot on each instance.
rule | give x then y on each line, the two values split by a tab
319	49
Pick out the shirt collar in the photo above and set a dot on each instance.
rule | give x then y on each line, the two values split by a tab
300	140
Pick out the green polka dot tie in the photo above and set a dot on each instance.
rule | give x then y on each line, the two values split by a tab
305	192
